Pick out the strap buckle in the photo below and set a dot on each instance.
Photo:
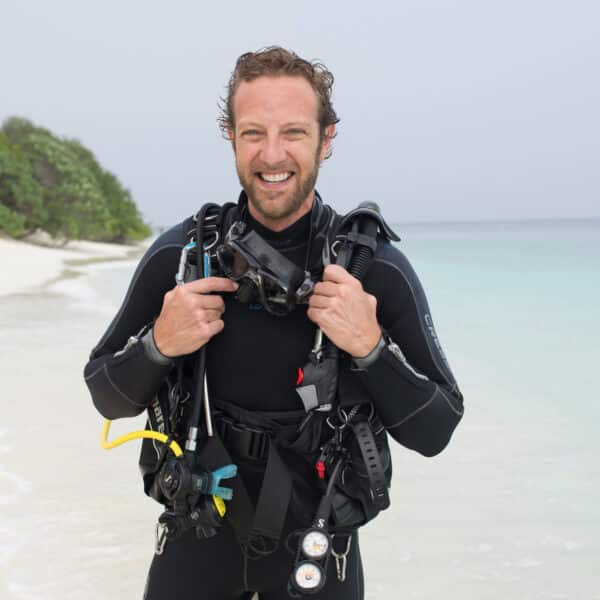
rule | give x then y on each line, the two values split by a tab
243	441
162	531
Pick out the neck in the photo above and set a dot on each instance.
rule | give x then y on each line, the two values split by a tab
281	223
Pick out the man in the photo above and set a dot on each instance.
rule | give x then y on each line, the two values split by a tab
280	121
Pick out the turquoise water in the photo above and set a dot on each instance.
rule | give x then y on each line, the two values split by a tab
519	300
511	509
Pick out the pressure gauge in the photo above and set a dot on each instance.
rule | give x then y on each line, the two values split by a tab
315	544
308	576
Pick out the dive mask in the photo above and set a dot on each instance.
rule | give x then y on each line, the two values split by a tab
264	274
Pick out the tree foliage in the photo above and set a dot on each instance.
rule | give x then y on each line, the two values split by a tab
58	185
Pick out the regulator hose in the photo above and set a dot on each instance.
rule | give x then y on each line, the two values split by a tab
136	435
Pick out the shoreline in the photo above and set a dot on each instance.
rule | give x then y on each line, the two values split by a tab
29	268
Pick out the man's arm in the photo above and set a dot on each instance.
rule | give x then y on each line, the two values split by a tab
123	374
408	378
405	372
126	370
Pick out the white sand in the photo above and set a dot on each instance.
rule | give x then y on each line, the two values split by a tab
27	267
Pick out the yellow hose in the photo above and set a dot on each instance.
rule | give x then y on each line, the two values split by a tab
152	435
136	435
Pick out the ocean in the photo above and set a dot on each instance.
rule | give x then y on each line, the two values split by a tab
511	509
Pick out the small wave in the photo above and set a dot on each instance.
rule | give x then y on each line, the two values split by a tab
12	486
97	287
109	265
81	295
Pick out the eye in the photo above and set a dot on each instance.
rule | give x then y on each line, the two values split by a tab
295	132
251	133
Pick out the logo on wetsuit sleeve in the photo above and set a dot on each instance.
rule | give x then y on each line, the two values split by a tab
436	341
159	419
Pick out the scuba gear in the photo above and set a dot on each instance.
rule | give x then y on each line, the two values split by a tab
245	252
197	496
263	273
252	364
326	411
192	494
314	547
188	492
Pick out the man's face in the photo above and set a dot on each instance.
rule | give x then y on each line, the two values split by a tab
277	147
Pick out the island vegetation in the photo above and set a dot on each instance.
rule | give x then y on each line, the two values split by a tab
57	185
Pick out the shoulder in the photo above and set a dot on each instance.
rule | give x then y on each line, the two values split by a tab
390	262
393	281
175	236
168	243
390	259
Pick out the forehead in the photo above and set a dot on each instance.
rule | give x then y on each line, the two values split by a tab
273	99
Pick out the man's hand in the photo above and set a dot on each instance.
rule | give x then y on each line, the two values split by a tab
345	312
190	317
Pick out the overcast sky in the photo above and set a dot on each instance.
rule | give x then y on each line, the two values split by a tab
450	110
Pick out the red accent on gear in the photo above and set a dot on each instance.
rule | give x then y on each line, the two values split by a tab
320	466
300	378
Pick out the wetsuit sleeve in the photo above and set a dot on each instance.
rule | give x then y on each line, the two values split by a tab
411	384
121	374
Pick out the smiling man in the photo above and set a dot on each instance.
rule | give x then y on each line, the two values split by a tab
304	484
279	139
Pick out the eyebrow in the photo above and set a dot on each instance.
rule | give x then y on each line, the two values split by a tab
297	124
290	124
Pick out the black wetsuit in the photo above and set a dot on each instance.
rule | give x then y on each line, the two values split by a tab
253	364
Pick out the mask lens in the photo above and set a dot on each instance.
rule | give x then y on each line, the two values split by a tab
232	262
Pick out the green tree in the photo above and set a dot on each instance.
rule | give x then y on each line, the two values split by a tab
58	185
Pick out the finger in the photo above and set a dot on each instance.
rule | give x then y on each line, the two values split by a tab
338	274
211	284
207	301
215	327
212	315
326	288
319	301
316	315
313	314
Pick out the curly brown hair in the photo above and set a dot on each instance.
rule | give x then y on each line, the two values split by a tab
276	61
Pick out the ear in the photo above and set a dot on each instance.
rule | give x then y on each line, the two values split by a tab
231	136
327	141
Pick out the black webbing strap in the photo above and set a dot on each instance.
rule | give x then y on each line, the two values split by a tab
274	497
375	471
268	518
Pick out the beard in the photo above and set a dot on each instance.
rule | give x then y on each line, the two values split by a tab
279	204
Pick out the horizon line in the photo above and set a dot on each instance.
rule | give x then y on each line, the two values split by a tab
504	220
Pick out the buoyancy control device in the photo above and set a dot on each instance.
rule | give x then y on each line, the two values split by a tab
342	443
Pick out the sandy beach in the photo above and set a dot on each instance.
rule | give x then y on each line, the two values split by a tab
28	267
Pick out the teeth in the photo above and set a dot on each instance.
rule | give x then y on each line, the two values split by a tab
275	177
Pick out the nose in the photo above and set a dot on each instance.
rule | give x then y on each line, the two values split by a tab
273	151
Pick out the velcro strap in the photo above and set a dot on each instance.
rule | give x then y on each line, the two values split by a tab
373	466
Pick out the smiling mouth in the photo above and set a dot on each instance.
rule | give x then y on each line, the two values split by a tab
276	177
